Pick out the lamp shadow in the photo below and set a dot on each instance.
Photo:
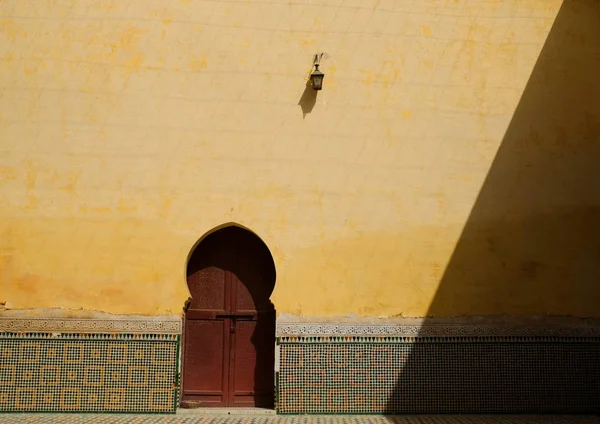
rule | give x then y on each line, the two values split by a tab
308	99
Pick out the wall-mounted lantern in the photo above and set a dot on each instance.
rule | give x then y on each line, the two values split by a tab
316	78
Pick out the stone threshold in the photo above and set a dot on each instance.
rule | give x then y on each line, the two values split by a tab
225	411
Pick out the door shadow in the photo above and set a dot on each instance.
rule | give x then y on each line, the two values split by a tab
257	273
531	246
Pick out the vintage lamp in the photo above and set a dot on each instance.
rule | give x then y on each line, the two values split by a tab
316	78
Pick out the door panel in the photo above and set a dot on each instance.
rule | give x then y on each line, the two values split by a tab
244	362
206	353
209	282
243	298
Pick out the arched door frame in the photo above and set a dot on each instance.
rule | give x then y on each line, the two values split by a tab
213	230
185	268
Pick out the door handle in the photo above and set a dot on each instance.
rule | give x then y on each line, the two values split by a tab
240	315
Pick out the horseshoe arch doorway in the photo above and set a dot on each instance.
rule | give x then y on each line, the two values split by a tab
229	330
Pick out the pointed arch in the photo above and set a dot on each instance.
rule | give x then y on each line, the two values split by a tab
222	227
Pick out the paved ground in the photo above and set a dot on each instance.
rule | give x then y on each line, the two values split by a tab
196	418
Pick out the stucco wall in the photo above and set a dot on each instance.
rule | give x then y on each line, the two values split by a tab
130	129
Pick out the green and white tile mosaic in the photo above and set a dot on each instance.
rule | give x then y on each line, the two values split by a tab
88	372
379	374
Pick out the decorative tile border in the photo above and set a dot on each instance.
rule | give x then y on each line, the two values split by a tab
427	339
91	336
292	326
426	327
112	325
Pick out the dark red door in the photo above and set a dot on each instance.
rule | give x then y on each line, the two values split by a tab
229	334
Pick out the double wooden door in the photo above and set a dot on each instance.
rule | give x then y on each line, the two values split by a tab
229	336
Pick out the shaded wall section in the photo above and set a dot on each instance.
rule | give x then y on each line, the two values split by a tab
536	221
532	238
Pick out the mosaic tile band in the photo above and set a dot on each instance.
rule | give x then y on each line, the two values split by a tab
100	373
413	327
126	325
402	327
452	375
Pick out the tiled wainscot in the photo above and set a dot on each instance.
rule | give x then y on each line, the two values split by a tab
88	372
324	369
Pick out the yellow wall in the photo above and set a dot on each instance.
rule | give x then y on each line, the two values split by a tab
130	129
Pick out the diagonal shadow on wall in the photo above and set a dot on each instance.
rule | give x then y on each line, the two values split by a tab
531	245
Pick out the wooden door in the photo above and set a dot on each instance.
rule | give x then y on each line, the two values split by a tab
230	324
